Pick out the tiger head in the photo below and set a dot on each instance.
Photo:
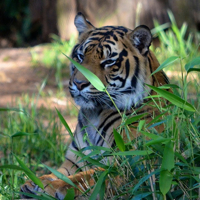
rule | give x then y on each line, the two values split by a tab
119	57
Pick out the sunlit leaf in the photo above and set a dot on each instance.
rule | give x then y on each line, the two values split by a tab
167	62
70	194
119	141
189	67
92	78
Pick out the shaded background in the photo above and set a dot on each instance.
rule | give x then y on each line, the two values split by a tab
28	23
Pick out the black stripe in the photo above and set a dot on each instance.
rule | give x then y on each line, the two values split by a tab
74	145
74	164
135	76
106	127
66	170
109	116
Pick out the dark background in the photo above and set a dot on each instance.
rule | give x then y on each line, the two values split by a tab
28	23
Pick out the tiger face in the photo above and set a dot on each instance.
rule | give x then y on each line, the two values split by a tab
119	57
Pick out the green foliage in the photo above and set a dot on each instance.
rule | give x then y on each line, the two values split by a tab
152	166
176	42
164	163
24	133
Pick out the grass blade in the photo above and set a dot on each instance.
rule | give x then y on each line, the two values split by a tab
29	173
60	176
133	153
64	123
174	99
134	118
98	185
19	134
143	179
167	62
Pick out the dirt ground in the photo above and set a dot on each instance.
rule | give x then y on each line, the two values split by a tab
18	76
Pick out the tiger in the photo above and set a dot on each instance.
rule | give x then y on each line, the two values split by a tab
121	59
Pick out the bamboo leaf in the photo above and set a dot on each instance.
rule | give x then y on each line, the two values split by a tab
174	99
167	62
157	141
70	194
119	141
98	185
133	153
190	66
92	78
168	157
165	181
143	179
134	118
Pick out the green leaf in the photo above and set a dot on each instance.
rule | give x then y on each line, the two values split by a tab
190	66
19	134
92	78
89	160
119	141
29	173
168	157
60	176
133	153
98	185
134	118
143	179
157	141
151	135
10	109
193	70
167	62
41	196
70	194
165	181
173	99
15	167
64	123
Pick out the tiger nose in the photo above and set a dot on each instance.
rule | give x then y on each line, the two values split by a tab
81	84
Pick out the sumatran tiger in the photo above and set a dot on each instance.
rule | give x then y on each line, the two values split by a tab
121	59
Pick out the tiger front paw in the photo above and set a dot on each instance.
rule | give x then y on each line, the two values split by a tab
55	188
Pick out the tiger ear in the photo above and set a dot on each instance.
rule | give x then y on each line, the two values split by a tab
141	38
82	24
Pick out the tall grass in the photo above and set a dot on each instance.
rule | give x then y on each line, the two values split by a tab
34	135
152	166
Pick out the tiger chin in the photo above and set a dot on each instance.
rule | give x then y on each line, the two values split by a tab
121	58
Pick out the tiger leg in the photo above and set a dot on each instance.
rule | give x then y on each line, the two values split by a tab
58	188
